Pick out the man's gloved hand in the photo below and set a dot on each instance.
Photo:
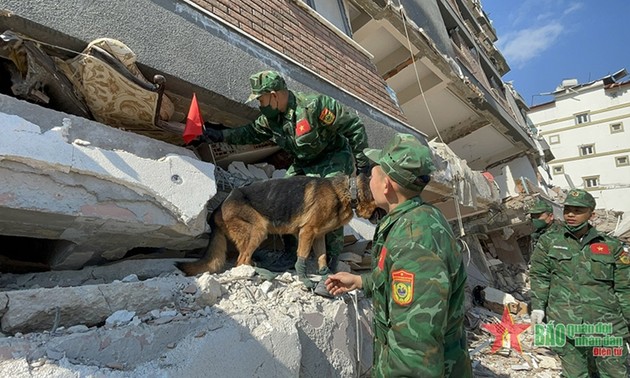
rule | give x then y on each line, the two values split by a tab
537	317
210	135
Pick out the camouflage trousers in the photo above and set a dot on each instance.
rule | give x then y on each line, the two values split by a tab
341	162
579	362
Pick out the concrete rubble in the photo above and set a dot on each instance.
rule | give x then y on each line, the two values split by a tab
98	193
233	324
142	318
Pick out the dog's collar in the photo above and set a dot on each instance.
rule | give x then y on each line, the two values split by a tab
353	192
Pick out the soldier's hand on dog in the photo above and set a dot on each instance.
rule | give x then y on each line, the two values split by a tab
343	282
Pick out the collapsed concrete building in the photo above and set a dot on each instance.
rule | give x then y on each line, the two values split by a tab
90	178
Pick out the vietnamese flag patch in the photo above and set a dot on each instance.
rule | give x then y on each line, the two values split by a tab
302	127
402	287
600	249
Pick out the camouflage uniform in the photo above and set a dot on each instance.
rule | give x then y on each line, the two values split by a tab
539	207
323	138
583	281
418	278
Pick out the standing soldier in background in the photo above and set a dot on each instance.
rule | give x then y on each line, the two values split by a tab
581	276
541	215
418	275
322	137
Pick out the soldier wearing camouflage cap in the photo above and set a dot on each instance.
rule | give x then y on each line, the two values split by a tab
322	137
582	276
418	275
541	215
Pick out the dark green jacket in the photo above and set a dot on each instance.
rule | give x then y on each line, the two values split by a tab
320	135
535	236
417	287
581	281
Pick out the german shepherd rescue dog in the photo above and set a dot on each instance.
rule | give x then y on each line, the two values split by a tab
307	207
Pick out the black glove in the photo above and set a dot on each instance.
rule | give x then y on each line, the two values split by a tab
210	135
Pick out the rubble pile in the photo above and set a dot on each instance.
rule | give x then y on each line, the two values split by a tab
236	324
607	221
511	278
142	318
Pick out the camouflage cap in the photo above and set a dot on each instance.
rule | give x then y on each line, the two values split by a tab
579	198
405	160
265	81
540	206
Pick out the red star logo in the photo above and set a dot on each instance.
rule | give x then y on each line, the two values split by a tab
505	329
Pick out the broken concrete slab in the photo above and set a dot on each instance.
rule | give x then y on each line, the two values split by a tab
496	300
97	190
89	275
44	309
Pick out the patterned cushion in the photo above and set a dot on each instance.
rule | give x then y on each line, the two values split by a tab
112	96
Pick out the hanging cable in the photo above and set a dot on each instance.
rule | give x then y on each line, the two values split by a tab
415	69
426	104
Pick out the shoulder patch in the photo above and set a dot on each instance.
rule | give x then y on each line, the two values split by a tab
327	117
624	258
302	127
402	287
600	249
381	258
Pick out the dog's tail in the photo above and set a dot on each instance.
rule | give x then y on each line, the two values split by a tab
213	259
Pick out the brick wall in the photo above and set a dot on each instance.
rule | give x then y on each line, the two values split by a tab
288	28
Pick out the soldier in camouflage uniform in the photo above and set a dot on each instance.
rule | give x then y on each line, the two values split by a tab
418	276
323	138
541	215
581	276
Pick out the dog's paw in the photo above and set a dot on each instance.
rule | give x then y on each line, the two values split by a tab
307	282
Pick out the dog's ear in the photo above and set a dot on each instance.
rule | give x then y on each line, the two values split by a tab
366	206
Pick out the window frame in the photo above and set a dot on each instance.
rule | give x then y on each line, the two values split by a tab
627	163
557	136
579	116
591	145
616	131
561	171
587	178
347	29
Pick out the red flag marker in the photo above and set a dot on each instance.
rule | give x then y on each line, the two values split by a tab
194	122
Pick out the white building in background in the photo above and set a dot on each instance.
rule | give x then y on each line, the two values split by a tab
587	127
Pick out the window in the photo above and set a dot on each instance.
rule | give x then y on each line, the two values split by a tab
558	169
582	118
554	139
333	11
587	149
591	182
616	128
621	161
